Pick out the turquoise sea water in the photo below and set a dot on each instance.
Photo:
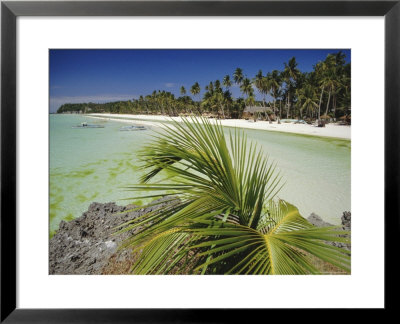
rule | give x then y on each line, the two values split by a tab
88	165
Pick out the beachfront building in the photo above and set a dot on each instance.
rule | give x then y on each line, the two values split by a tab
257	112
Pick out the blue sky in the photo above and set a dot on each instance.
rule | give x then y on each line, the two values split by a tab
111	75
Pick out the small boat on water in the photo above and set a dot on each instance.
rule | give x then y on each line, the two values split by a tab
86	125
132	128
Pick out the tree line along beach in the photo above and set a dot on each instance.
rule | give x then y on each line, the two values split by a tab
320	95
299	120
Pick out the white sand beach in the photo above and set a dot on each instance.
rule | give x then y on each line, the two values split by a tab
331	130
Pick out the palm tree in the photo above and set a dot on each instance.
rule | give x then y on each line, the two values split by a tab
275	83
217	85
169	100
343	80
161	99
238	107
227	82
344	90
307	99
330	82
246	87
220	217
238	76
280	96
327	72
290	74
259	82
155	100
227	101
182	91
227	94
262	85
291	71
219	97
195	90
141	101
209	99
320	70
209	87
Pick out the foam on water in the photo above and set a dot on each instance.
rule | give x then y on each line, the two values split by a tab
96	164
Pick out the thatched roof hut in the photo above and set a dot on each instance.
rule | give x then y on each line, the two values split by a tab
254	109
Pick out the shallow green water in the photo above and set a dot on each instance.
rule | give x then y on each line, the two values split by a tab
95	164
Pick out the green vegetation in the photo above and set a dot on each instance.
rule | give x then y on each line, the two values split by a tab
221	216
323	93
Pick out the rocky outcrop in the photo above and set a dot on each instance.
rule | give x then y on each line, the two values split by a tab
346	226
86	244
346	221
317	221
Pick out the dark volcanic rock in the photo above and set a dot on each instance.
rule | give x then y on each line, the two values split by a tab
85	245
346	221
346	226
317	221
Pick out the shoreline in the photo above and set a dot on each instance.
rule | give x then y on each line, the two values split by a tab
330	131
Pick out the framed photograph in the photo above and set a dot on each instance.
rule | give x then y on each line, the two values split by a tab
176	155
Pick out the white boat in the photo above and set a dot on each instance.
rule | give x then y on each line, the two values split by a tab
86	125
132	128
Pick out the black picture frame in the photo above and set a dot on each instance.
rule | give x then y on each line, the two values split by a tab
11	10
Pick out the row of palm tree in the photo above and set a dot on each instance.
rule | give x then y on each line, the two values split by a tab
323	92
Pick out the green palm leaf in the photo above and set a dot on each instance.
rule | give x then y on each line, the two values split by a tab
221	217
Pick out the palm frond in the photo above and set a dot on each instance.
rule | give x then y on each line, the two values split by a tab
221	217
